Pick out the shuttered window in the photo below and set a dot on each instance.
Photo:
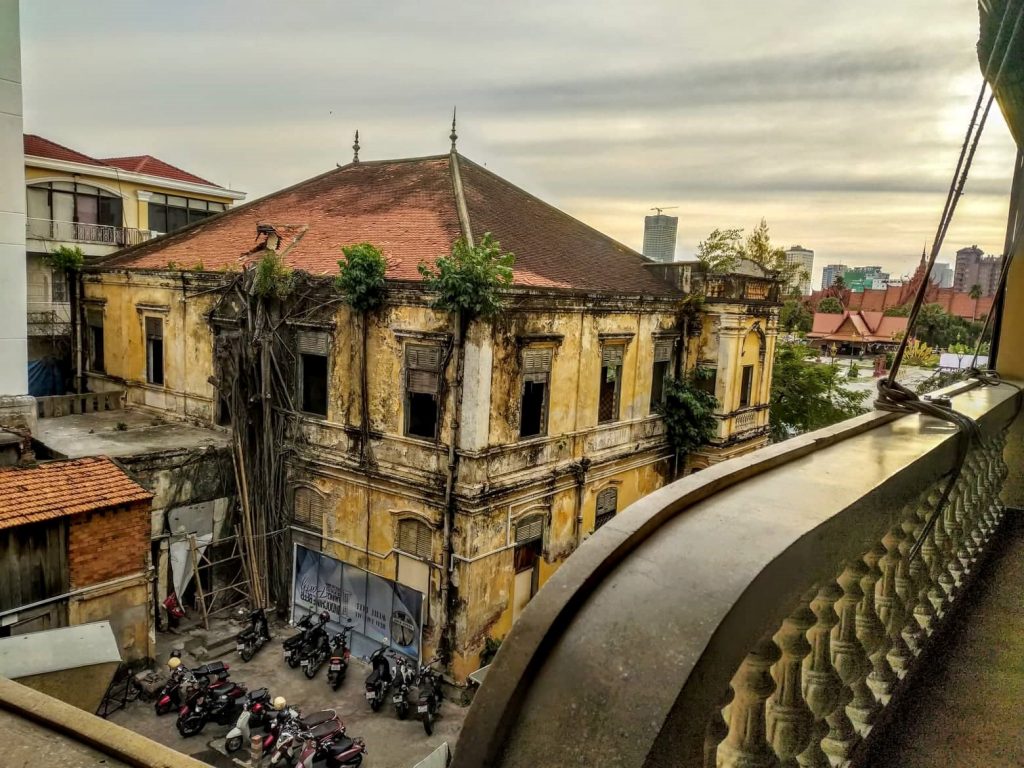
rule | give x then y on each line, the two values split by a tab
155	350
660	372
312	342
611	375
607	503
530	529
662	350
533	404
611	356
422	386
414	538
536	364
309	509
94	340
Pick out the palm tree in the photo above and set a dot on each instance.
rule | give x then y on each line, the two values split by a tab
975	294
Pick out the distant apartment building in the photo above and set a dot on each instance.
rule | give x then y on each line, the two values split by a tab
805	258
830	273
660	237
942	274
858	279
973	267
98	205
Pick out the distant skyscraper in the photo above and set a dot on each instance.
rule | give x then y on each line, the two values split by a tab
973	267
660	237
942	274
805	258
830	273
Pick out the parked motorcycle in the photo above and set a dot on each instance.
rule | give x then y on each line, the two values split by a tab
338	750
255	713
379	680
315	651
255	636
294	644
183	681
404	678
338	663
428	683
206	704
292	737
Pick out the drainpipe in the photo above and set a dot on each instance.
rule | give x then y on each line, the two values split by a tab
579	469
447	640
75	283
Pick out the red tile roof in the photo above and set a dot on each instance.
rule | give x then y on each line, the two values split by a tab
37	146
856	326
64	488
153	166
408	209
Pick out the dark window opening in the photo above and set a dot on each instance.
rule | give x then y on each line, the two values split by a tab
314	383
531	420
747	385
58	286
707	380
223	411
661	370
607	502
170	212
611	376
527	555
154	350
94	340
422	414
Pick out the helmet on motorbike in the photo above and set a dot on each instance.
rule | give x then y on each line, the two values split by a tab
174	662
324	617
280	703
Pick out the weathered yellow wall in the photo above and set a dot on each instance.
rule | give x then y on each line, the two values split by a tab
126	607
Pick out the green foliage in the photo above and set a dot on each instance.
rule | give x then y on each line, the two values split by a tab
795	317
975	292
830	306
470	279
942	330
490	650
690	313
940	379
66	258
689	411
903	310
272	279
720	253
853	372
807	395
920	354
839	283
361	278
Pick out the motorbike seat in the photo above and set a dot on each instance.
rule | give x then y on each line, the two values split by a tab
324	730
342	745
316	718
213	668
259	694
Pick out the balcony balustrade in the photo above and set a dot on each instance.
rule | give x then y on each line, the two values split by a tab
764	612
78	232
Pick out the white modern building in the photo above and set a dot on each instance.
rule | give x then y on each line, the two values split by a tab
797	254
660	237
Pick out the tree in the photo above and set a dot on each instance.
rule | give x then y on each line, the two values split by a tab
795	318
975	294
66	261
361	280
830	306
839	283
920	354
808	395
901	311
689	412
758	248
720	252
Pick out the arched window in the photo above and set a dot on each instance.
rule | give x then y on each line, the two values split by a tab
414	538
607	504
309	508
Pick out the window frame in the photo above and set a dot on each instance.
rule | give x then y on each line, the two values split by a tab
425	359
313	519
536	369
663	354
95	358
746	385
151	377
609	350
194	208
613	491
423	548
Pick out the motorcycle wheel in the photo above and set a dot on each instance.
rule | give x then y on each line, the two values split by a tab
233	744
190	726
375	704
292	661
247	653
428	722
163	709
402	710
310	671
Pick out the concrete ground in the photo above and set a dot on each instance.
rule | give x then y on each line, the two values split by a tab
390	742
909	376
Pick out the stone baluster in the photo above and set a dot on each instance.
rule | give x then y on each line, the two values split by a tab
746	745
943	544
909	582
889	602
999	473
980	490
954	534
966	510
848	656
716	731
789	717
832	733
932	558
872	632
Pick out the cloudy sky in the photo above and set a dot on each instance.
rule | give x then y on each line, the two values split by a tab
838	122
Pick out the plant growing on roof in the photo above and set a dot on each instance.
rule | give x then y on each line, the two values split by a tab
720	252
469	280
272	279
66	258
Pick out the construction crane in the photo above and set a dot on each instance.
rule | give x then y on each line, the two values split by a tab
667	208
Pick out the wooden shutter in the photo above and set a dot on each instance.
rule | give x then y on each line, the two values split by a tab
154	328
611	356
536	364
662	350
607	501
312	342
94	317
309	509
530	529
414	538
422	364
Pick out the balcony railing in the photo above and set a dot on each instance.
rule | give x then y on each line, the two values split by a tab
88	402
764	612
77	232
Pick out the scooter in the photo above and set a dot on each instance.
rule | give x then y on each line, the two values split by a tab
379	680
404	678
338	663
255	714
338	750
429	685
315	651
184	681
205	705
294	644
293	735
252	639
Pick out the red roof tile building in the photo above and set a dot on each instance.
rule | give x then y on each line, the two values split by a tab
74	548
857	330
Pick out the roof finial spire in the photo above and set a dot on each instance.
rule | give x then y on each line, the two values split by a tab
454	136
355	148
923	249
